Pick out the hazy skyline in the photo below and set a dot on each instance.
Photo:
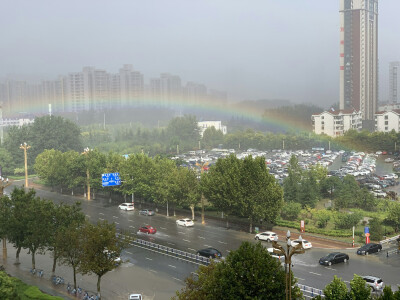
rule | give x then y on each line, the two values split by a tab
253	50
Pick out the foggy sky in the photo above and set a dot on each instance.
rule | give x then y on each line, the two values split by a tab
254	49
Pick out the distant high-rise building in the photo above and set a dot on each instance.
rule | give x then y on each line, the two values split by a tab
132	86
394	82
359	56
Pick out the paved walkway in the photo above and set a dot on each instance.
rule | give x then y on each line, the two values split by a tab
115	285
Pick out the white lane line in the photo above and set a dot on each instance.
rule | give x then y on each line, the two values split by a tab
130	220
176	279
172	266
148	258
167	235
330	268
207	246
192	249
228	251
300	278
181	232
186	240
129	252
153	271
200	237
132	226
346	281
101	219
115	217
116	223
86	215
222	242
101	214
170	243
315	273
163	228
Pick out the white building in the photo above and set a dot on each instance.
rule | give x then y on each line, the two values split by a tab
359	56
336	123
386	121
208	124
394	82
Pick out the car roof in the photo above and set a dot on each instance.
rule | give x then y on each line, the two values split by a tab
268	232
371	277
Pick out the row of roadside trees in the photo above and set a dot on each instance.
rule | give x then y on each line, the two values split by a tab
40	226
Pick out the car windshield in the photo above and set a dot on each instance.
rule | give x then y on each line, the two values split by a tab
331	255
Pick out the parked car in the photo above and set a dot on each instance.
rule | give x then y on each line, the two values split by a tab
148	229
271	252
306	244
375	283
135	297
379	193
126	206
334	258
268	236
146	212
369	248
185	222
210	253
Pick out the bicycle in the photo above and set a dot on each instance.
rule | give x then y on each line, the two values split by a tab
40	273
85	296
79	290
57	280
69	288
33	271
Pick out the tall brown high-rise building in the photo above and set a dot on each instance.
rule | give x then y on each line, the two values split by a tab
359	56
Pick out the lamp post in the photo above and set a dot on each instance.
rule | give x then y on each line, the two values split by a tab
288	253
25	146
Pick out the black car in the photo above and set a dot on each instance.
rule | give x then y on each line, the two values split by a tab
146	212
334	258
369	248
210	253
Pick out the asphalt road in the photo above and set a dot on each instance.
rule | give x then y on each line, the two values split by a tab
305	266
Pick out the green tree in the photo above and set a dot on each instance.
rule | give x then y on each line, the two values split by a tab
290	211
75	172
6	162
50	167
308	191
376	229
349	191
212	138
358	289
241	275
188	192
336	290
291	184
8	287
183	131
101	247
329	186
322	217
393	217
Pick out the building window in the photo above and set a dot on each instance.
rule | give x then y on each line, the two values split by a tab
386	128
386	122
386	117
322	117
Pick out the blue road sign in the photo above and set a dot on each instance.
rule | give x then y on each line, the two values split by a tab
110	179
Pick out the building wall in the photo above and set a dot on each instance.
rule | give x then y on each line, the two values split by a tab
394	82
387	121
203	125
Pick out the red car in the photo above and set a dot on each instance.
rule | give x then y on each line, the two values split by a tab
148	229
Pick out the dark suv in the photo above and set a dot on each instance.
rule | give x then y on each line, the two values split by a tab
210	253
369	248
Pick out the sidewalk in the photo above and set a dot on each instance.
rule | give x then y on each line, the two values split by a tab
115	285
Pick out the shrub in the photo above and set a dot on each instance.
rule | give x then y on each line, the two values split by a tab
290	210
346	221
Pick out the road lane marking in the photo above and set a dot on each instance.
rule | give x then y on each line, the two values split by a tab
101	219
346	281
228	251
115	217
116	223
130	220
163	228
88	216
192	249
132	226
330	268
200	237
170	243
128	252
148	258
167	235
101	214
151	270
176	279
181	232
300	278
172	266
222	242
315	273
186	240
207	246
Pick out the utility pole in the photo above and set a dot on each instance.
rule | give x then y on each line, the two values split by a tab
3	184
25	146
85	152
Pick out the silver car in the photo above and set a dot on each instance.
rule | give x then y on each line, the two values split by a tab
375	283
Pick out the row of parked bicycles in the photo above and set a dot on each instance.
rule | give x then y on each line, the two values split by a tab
58	280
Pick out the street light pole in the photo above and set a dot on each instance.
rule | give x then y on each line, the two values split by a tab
288	253
25	146
85	152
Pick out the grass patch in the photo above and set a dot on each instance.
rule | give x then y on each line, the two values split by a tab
29	292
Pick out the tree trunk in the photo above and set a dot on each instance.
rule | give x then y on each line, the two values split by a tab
33	259
17	256
93	194
251	225
98	286
54	261
74	277
174	211
61	191
72	192
192	209
167	209
227	221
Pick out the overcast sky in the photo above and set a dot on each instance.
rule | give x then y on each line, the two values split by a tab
287	49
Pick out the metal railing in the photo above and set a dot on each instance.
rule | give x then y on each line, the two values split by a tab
310	292
183	255
389	240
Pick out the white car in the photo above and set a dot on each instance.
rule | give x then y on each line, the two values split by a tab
126	206
271	252
185	222
379	193
306	244
135	297
266	236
